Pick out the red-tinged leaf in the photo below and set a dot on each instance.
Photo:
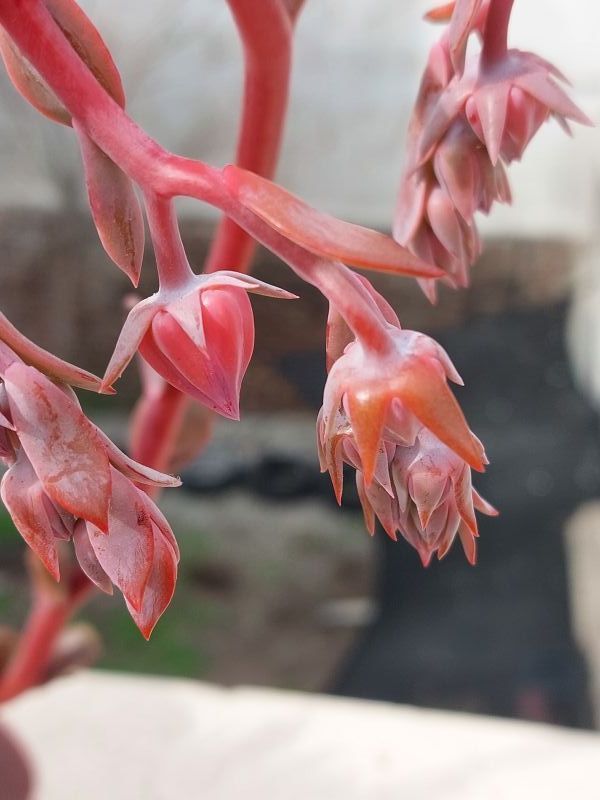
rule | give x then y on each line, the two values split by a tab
163	526
133	331
29	83
464	499
427	490
159	589
46	362
469	543
320	233
133	470
89	45
423	388
492	105
21	494
367	411
125	553
115	207
482	505
368	513
62	445
540	86
87	558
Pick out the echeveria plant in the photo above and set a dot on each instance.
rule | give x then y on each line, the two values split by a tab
387	410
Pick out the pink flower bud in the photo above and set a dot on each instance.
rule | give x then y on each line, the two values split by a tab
198	338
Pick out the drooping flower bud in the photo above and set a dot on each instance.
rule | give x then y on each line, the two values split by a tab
199	338
65	476
372	398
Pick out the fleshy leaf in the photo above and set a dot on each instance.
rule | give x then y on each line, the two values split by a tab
133	331
89	45
320	233
115	208
125	553
424	390
367	411
159	589
30	84
87	559
21	494
133	470
62	445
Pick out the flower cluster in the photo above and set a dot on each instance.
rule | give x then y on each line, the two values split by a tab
67	481
471	118
392	417
387	409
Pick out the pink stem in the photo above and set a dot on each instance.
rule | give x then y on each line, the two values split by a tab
495	34
162	427
172	264
267	41
45	622
159	172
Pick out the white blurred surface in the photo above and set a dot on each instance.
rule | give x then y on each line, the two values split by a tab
100	735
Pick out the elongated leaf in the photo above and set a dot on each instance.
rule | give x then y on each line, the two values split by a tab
115	208
20	491
89	45
321	233
125	553
30	84
160	587
62	445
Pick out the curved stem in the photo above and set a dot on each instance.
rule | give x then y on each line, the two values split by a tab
267	42
171	260
47	618
495	33
162	173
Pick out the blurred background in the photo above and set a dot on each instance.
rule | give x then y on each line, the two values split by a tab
278	586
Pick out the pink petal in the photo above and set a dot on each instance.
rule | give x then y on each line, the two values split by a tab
159	589
115	208
225	278
87	558
483	505
540	86
62	445
492	103
125	553
21	494
133	331
427	490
